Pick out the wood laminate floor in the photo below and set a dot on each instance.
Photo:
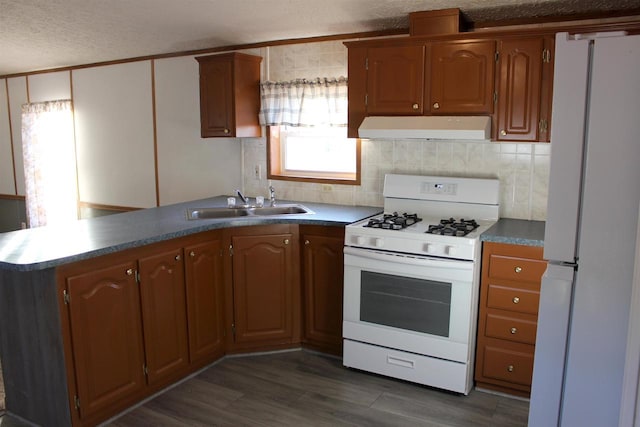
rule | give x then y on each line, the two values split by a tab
300	388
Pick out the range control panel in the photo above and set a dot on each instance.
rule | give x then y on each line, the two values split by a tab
449	189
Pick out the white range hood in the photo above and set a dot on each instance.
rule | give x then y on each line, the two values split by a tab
426	127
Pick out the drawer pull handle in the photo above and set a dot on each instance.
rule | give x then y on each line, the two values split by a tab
192	254
436	105
405	363
518	269
510	368
130	272
178	257
415	106
516	300
286	241
306	242
514	330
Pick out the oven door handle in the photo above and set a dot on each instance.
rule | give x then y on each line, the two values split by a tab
423	261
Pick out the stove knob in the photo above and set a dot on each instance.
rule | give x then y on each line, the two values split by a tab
430	248
378	242
359	240
451	250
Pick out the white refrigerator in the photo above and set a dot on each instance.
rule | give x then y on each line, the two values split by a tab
590	235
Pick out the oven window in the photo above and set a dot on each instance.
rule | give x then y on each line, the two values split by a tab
406	303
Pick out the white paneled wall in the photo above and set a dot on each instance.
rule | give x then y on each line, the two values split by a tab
114	134
7	182
523	169
50	86
17	96
189	167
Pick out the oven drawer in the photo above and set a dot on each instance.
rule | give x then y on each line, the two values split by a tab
445	374
511	328
518	269
508	365
513	299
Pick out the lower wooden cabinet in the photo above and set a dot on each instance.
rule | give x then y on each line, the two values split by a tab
322	281
508	314
263	284
164	314
106	331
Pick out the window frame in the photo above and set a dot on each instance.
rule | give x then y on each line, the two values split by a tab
276	171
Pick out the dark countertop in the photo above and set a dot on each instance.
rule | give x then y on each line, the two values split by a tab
46	247
515	232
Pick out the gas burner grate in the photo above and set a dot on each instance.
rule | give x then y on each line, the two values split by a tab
393	221
453	227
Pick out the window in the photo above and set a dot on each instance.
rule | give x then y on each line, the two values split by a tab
307	133
320	154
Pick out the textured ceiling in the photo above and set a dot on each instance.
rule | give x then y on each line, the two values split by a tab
44	34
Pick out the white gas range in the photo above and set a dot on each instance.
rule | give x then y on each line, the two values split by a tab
412	279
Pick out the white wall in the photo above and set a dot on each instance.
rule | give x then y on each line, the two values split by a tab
189	167
17	96
114	134
7	183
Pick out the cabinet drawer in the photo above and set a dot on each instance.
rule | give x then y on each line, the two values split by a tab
508	365
513	299
520	269
510	328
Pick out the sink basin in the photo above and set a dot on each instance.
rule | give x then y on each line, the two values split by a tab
241	211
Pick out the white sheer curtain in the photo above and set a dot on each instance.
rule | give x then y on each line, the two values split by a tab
319	102
49	163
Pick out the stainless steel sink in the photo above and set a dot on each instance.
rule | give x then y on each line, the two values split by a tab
240	211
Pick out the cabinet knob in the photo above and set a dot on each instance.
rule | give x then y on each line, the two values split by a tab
503	132
517	269
436	105
178	257
516	300
415	106
514	330
510	368
226	131
192	254
130	272
286	241
306	242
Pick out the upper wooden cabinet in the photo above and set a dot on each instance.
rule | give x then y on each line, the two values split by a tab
524	89
395	80
410	77
462	77
229	95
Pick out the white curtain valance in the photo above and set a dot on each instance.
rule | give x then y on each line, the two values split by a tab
318	102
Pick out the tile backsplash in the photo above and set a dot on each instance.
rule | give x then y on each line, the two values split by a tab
523	168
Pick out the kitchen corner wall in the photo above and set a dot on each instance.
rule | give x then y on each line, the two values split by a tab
523	169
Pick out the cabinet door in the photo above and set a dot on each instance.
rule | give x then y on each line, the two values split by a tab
263	288
323	272
395	80
163	305
462	77
203	274
519	92
216	97
106	331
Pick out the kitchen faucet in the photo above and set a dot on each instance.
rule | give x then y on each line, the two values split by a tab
244	199
272	195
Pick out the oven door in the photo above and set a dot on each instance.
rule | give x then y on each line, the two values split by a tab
412	303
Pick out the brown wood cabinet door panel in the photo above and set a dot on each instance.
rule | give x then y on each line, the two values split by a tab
106	330
511	328
162	292
519	91
516	269
508	365
462	77
395	83
323	271
203	275
216	98
263	288
513	299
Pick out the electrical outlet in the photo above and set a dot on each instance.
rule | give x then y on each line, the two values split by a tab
257	171
327	187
